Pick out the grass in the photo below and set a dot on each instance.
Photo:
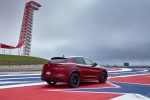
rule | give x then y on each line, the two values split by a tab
20	60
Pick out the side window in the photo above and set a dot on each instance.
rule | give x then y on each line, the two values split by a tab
79	60
88	62
74	60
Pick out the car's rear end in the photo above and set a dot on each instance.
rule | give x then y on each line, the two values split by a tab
55	70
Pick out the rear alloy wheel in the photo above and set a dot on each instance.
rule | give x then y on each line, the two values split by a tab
103	77
74	80
51	83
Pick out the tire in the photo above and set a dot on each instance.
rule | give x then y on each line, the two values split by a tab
51	83
103	77
74	80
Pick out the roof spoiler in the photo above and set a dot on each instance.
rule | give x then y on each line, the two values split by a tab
58	58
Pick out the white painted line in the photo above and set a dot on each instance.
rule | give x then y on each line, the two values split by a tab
131	83
131	97
18	78
84	91
115	86
145	70
10	82
19	75
21	85
122	69
129	72
128	75
77	89
114	73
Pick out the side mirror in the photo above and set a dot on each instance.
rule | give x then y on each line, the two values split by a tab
95	64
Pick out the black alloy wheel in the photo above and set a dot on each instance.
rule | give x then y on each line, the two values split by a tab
103	77
51	83
74	80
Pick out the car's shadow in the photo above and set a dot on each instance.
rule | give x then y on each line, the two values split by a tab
87	84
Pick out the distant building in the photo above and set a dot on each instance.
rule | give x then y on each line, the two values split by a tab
126	64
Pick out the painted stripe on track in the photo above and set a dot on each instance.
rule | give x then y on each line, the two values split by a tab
19	75
21	85
131	97
122	69
17	78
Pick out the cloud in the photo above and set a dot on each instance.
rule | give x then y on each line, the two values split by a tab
109	32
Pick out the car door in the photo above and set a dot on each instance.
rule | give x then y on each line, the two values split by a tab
84	71
91	69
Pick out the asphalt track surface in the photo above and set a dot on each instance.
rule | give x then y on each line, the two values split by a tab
121	85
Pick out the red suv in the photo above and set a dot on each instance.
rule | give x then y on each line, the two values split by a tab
72	70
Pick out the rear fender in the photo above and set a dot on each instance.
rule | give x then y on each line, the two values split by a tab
74	71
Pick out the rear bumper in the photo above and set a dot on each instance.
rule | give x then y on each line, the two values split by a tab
54	79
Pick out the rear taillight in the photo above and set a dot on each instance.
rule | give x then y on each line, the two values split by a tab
44	66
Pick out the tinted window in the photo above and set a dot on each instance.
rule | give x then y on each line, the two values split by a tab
74	60
88	62
58	60
79	61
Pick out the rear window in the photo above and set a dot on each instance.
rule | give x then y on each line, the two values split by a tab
58	60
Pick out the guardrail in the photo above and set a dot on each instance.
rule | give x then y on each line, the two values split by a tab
21	65
21	68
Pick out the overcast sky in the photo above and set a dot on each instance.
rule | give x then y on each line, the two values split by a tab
106	31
